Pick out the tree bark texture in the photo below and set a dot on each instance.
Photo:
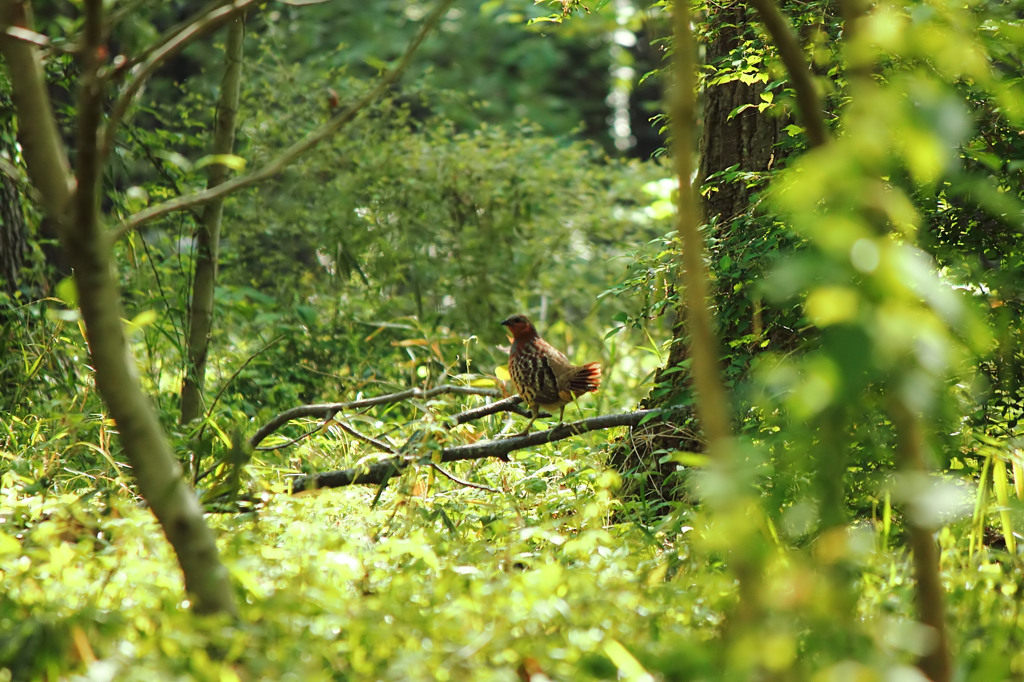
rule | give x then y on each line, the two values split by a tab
747	141
13	241
208	236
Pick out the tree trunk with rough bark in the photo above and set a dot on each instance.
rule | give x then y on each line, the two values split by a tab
13	239
747	141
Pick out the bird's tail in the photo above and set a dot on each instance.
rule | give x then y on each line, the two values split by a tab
585	378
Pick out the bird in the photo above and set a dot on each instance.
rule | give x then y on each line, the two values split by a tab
542	374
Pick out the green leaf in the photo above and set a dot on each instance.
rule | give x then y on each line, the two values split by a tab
67	291
146	317
9	544
231	161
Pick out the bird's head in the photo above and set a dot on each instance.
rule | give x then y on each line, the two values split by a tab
519	326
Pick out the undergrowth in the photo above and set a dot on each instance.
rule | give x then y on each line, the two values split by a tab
434	581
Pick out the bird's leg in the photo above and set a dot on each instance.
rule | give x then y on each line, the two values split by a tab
561	416
535	412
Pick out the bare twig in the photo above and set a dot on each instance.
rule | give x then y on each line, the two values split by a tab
293	441
379	444
327	410
468	484
234	375
290	155
380	472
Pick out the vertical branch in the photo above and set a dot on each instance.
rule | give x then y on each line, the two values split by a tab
712	403
90	116
159	53
712	407
830	469
45	157
858	60
156	469
208	236
937	663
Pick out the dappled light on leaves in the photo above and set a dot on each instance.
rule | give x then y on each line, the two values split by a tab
855	511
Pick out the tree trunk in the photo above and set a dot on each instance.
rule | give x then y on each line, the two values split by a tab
208	236
13	242
747	141
71	202
72	205
929	595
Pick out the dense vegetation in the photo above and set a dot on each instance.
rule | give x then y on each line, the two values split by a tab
850	510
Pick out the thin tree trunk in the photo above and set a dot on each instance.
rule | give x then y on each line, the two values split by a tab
76	215
208	236
71	202
712	404
929	596
712	401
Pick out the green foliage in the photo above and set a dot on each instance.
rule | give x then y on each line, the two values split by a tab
556	79
885	265
456	583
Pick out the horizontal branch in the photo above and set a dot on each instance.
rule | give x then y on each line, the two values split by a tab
379	472
327	410
293	153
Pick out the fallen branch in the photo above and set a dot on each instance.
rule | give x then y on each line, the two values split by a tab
468	484
326	411
379	472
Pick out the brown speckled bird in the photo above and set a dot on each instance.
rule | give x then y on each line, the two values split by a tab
542	374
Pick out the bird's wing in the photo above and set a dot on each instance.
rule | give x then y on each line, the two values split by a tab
553	368
563	372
